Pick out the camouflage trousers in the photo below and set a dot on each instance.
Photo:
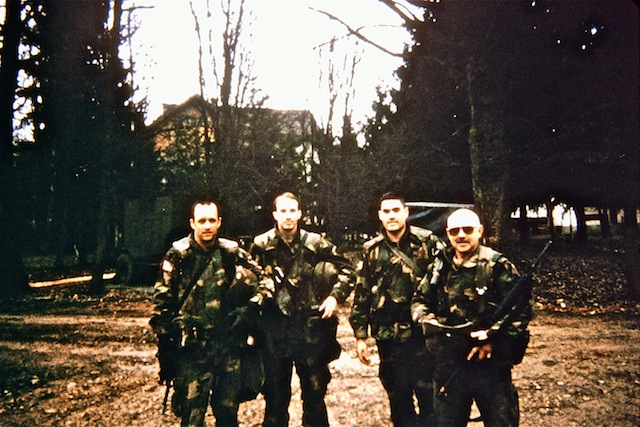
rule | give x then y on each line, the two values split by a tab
289	342
489	384
406	370
204	380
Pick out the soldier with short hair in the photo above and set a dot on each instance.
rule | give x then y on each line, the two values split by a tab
393	265
207	294
465	285
298	326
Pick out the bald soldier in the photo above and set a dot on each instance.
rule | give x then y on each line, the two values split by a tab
465	284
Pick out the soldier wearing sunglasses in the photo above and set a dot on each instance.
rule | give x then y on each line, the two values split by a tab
464	286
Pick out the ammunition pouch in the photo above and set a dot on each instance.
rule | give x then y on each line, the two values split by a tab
392	321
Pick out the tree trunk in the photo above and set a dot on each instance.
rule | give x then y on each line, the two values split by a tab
63	134
8	77
605	226
632	252
489	162
581	223
13	278
523	224
550	225
110	122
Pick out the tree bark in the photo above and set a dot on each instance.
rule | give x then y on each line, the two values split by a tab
632	252
605	225
581	223
524	227
489	162
112	130
13	278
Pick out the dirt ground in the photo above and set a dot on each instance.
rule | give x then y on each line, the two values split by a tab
68	359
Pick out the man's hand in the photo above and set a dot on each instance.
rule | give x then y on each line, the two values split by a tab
482	352
426	318
328	307
362	350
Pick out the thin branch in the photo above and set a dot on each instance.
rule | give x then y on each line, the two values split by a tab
408	17
356	32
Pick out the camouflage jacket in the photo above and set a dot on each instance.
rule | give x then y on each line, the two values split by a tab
386	283
197	290
469	292
306	285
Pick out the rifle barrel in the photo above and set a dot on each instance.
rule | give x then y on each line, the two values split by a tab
166	398
540	255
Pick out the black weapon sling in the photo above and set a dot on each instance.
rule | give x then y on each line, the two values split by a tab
195	278
404	257
187	291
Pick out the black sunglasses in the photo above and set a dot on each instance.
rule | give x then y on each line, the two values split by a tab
456	230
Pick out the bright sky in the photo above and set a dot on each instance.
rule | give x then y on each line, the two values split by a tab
284	35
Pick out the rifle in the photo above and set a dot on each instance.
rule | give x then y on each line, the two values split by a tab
166	397
167	354
510	305
167	358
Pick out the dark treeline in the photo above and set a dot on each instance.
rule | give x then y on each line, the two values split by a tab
504	104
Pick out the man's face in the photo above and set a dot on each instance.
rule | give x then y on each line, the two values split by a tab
393	215
464	231
287	214
205	223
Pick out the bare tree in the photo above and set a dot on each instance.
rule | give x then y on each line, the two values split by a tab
241	126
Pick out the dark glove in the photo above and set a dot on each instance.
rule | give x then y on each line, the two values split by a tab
167	358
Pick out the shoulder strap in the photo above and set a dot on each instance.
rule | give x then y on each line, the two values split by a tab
404	257
228	265
487	259
194	279
371	243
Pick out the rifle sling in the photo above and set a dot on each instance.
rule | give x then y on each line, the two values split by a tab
194	279
404	257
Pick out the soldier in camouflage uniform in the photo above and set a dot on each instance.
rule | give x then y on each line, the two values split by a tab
393	264
299	326
465	284
207	292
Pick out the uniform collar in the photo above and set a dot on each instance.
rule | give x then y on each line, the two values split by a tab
470	262
406	236
296	237
200	249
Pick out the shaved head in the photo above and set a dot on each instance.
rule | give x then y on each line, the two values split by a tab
463	218
464	231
